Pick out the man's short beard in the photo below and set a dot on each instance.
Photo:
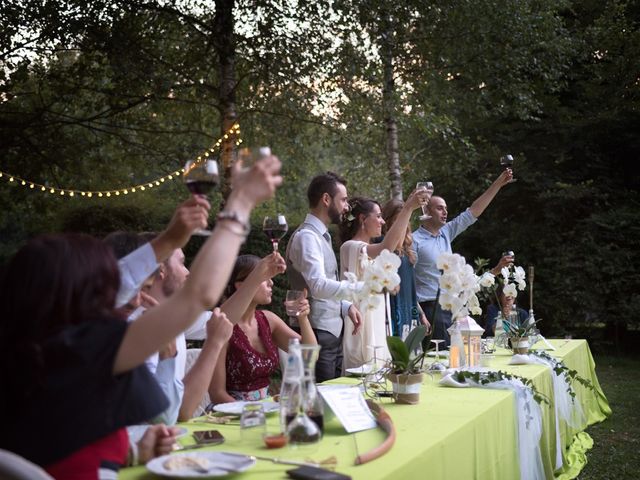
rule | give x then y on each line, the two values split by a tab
334	215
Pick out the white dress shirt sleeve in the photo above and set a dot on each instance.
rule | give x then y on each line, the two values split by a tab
307	258
135	268
172	387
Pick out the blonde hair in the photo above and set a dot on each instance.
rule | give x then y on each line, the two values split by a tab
390	211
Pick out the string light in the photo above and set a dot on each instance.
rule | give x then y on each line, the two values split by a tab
233	132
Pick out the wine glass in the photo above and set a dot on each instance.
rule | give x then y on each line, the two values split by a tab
292	302
437	366
275	227
253	423
200	177
506	161
429	187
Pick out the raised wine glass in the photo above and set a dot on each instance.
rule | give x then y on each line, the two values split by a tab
275	227
429	187
200	177
506	161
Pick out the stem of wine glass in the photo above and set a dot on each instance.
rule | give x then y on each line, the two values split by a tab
275	245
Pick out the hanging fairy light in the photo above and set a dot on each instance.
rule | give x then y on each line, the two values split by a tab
233	132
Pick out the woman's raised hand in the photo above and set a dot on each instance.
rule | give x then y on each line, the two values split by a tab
259	182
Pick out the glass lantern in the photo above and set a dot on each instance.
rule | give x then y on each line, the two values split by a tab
471	337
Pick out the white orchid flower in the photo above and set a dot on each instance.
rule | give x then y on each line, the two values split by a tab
505	273
510	290
448	262
519	274
450	282
487	280
388	261
391	280
522	285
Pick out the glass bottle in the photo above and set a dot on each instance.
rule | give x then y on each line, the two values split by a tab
308	424
290	388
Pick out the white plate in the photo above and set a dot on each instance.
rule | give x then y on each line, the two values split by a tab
137	431
235	408
441	353
234	461
365	369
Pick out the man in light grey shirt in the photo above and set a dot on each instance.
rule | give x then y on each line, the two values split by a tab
433	238
312	264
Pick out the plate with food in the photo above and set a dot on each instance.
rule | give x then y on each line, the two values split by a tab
235	408
200	464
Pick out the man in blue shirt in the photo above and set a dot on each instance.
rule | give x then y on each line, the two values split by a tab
433	238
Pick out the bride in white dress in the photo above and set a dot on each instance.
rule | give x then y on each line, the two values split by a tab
363	224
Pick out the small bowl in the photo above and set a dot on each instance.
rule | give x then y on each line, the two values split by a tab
274	440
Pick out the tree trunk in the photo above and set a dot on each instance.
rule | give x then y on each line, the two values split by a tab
224	43
389	110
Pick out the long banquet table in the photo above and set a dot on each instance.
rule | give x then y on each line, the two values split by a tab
451	434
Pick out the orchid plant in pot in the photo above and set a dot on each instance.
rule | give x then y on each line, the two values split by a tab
405	365
515	329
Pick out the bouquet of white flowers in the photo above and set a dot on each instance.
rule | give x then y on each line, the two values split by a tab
458	286
379	275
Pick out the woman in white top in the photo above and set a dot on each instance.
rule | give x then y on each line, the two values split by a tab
356	232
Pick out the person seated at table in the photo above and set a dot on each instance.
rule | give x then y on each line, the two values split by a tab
507	303
72	367
244	369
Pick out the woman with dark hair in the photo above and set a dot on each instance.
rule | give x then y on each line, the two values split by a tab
70	361
357	232
251	355
404	306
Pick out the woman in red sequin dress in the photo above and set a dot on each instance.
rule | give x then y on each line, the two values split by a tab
251	355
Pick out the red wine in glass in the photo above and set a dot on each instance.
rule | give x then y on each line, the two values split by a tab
200	177
200	187
275	228
507	162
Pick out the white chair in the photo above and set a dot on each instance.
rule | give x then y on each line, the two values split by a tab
192	356
15	467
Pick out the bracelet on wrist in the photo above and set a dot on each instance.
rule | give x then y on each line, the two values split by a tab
233	217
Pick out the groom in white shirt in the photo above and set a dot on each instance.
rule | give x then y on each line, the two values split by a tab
312	264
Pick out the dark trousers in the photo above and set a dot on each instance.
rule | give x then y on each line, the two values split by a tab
440	321
330	360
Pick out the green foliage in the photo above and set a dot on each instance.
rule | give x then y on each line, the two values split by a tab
560	369
402	358
484	378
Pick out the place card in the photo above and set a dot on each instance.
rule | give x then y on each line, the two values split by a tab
349	406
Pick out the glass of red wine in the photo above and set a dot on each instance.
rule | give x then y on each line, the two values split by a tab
201	177
275	227
507	162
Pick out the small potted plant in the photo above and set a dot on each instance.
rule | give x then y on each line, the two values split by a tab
518	331
405	366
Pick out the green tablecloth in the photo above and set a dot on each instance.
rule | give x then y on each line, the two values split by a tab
452	434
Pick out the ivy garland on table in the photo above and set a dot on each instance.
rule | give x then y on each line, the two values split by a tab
484	378
560	368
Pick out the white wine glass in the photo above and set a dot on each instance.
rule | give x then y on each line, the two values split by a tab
428	186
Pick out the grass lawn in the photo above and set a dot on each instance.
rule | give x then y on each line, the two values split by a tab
615	452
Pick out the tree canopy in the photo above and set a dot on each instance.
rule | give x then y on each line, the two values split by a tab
106	94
